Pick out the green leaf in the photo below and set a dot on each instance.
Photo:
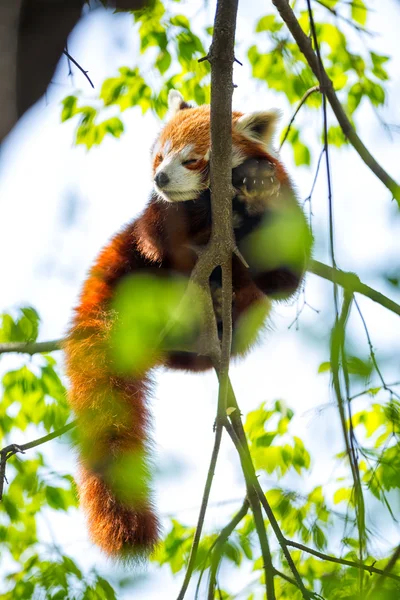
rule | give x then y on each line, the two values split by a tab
342	495
163	62
358	366
69	108
319	538
301	152
180	21
359	12
336	136
324	367
268	23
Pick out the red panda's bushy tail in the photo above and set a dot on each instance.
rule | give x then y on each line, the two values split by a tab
113	425
114	479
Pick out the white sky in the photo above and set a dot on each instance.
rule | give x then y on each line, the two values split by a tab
59	204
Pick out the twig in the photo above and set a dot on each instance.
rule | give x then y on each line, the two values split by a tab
71	58
220	543
308	93
250	479
202	513
12	449
365	392
347	280
305	47
386	572
326	150
338	359
239	439
345	19
341	561
31	347
309	197
372	353
352	283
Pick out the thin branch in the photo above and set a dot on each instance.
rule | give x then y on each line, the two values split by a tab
31	347
368	391
220	543
70	73
351	282
338	362
353	24
250	479
347	280
372	353
309	197
341	561
305	47
308	93
71	58
238	436
12	449
326	151
386	572
202	513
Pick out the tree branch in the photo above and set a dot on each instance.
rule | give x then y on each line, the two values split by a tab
31	347
203	508
222	242
351	282
238	436
12	449
342	561
339	363
348	281
220	543
82	70
247	467
308	93
385	573
349	22
326	85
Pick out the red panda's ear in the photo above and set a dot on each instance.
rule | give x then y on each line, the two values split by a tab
258	126
176	103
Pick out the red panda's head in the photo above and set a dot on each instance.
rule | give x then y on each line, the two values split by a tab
181	152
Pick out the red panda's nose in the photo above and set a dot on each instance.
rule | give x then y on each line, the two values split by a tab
161	179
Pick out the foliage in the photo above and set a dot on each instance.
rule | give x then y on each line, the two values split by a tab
168	41
169	46
326	519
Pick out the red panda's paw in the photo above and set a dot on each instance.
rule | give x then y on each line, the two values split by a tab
257	184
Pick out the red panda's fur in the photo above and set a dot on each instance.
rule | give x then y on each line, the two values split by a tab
112	409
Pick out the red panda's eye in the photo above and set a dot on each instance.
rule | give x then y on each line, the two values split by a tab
191	161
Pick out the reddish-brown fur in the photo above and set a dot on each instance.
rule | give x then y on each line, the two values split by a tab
111	409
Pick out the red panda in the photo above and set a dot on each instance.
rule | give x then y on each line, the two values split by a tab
111	405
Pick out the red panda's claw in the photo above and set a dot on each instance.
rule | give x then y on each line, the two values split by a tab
256	183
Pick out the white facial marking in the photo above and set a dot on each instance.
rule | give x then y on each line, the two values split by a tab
186	151
156	149
184	184
167	147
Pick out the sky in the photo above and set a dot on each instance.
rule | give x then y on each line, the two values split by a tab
59	204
